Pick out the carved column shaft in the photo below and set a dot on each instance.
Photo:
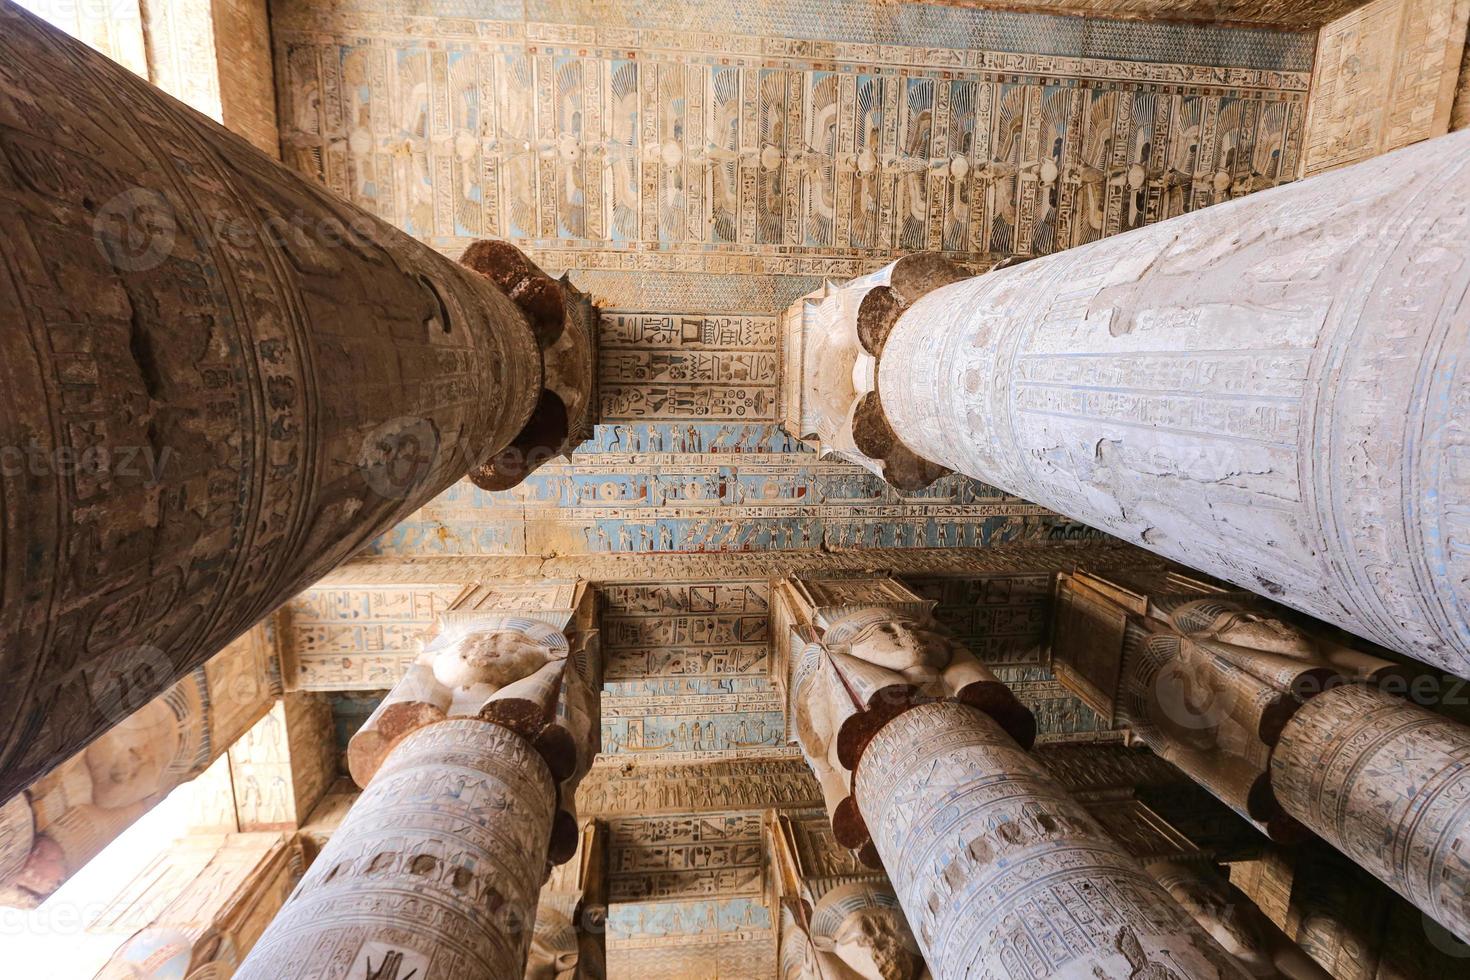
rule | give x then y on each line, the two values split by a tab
221	381
1235	922
435	872
1388	784
1004	875
1267	390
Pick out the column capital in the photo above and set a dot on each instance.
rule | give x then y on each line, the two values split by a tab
1205	675
851	655
535	672
564	323
832	340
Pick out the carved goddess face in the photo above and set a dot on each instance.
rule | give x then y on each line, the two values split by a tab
493	658
130	762
553	953
903	647
875	944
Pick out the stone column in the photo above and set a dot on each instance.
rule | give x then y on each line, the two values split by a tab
221	382
470	770
1234	922
436	871
1388	784
1268	390
570	938
854	653
1001	873
1205	677
839	919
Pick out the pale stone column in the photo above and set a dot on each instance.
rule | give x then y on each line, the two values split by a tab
1272	390
220	381
1388	784
435	871
1004	875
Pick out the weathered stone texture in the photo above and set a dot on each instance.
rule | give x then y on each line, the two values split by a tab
1266	390
1287	14
1233	921
1385	78
199	908
247	89
221	382
1002	874
1388	784
1460	116
435	872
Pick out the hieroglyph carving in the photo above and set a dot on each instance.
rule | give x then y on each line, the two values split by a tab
187	328
1003	875
1183	382
1388	784
1385	78
435	872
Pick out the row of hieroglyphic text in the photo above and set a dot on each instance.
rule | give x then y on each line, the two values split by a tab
712	855
359	637
688	366
674	568
673	501
902	33
620	786
675	940
686	670
623	148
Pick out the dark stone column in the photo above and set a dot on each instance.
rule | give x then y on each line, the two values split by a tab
220	381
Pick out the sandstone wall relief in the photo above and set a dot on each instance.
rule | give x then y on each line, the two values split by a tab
1386	77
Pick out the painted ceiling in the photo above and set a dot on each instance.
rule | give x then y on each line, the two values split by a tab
697	167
